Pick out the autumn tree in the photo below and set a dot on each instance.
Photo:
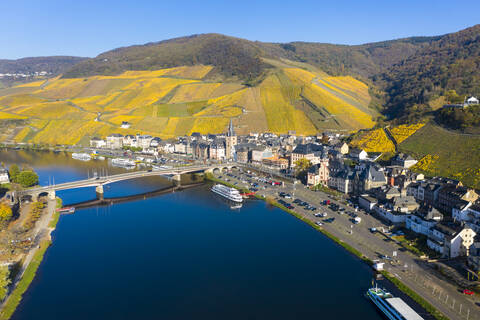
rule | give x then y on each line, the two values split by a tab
301	167
5	212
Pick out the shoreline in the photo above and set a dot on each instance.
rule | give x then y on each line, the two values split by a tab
31	263
393	280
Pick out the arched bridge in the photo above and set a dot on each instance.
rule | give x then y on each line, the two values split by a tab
99	182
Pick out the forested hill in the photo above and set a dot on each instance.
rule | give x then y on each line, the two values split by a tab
234	57
231	56
365	60
449	63
53	65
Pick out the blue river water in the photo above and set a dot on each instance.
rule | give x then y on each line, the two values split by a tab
188	255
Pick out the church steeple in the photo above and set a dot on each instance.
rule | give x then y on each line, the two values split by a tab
230	132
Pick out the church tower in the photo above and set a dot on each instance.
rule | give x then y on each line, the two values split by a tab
230	142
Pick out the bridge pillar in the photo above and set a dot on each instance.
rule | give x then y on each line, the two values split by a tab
99	191
177	179
52	195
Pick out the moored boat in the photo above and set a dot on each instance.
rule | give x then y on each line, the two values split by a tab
66	210
124	163
393	308
81	156
227	192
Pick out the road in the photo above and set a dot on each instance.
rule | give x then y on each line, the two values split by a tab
410	269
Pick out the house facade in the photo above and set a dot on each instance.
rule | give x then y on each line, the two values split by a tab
318	173
451	240
114	141
4	177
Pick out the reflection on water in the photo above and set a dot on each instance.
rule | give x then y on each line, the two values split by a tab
56	167
59	167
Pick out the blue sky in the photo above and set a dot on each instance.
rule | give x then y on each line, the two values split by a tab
87	28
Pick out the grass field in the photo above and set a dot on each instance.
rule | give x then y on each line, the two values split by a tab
445	153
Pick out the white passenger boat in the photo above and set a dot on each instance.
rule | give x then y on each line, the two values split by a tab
124	163
227	192
393	308
82	156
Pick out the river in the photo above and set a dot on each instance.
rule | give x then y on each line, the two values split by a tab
185	255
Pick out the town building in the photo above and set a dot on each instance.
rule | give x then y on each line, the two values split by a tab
468	213
114	141
358	154
368	176
367	202
4	177
276	162
217	150
472	101
342	180
125	125
310	151
403	160
97	143
423	220
450	195
259	153
319	173
242	154
473	259
144	141
451	240
341	147
130	141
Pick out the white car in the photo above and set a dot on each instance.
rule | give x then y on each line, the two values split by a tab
318	223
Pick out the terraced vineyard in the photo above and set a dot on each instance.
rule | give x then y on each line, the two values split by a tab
182	100
445	153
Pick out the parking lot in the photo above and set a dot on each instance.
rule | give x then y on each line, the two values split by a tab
343	219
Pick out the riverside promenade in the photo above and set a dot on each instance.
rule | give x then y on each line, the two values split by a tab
414	272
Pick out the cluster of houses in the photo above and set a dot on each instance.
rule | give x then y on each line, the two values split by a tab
442	210
24	75
467	102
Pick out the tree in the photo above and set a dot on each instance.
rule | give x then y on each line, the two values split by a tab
5	212
325	139
301	167
13	172
27	178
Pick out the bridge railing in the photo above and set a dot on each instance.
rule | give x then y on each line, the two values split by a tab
117	177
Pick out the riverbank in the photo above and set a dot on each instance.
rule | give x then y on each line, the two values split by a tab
390	277
32	260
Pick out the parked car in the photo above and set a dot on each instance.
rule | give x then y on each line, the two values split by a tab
468	292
